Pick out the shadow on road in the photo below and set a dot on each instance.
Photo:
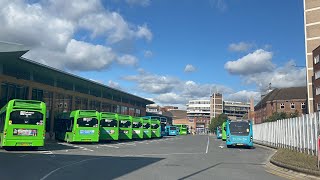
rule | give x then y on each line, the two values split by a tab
40	166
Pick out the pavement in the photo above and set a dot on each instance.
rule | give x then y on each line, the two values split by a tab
181	157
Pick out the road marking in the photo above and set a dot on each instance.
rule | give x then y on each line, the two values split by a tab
221	147
78	162
76	146
207	145
23	155
105	145
137	155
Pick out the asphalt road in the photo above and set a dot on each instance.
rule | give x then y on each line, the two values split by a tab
182	157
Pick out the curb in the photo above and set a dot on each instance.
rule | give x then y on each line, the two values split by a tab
287	166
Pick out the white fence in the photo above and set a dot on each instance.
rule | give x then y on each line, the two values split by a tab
298	134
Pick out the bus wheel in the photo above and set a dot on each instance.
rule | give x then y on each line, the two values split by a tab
229	146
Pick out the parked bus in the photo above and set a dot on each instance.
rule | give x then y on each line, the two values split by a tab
224	133
218	132
146	128
183	129
171	131
163	123
125	127
109	126
22	123
239	133
155	126
137	128
78	126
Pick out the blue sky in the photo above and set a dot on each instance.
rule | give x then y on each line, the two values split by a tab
141	46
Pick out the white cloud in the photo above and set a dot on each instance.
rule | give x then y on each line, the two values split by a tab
219	4
287	76
243	96
148	54
49	28
189	68
240	47
142	3
170	98
114	84
256	62
127	60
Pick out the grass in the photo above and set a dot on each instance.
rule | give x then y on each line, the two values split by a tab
296	159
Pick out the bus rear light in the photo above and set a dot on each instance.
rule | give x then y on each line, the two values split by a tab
4	134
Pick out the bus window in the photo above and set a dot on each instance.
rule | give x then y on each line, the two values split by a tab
173	128
239	128
108	123
136	125
146	126
26	117
125	124
154	126
87	122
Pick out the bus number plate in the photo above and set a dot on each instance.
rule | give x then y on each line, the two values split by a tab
23	144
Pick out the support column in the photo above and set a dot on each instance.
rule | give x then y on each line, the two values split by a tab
52	115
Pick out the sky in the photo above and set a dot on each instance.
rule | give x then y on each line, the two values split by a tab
163	50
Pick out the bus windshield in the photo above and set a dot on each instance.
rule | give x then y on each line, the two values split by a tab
146	125
26	117
154	126
125	124
239	128
108	123
136	125
87	122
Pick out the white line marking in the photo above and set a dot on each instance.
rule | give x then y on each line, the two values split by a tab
109	146
160	154
24	155
207	145
221	147
78	162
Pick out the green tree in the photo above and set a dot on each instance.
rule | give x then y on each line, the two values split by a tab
277	116
217	121
295	114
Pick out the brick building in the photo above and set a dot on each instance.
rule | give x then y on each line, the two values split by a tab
316	78
286	100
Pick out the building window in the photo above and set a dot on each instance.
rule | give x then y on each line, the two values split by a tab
317	75
317	90
303	105
318	106
292	106
316	59
12	91
282	106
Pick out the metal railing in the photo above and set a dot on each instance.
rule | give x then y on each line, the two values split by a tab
299	134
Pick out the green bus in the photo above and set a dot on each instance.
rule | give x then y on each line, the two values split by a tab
155	126
109	126
78	126
224	132
146	128
22	123
137	128
183	129
125	127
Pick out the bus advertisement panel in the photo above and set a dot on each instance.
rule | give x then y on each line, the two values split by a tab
22	123
137	128
125	127
78	126
109	126
239	133
146	128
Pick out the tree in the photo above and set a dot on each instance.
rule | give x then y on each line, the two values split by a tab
277	116
217	121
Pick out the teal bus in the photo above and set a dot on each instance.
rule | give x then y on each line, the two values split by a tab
125	127
239	133
22	123
146	128
78	126
183	129
137	128
224	131
109	126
